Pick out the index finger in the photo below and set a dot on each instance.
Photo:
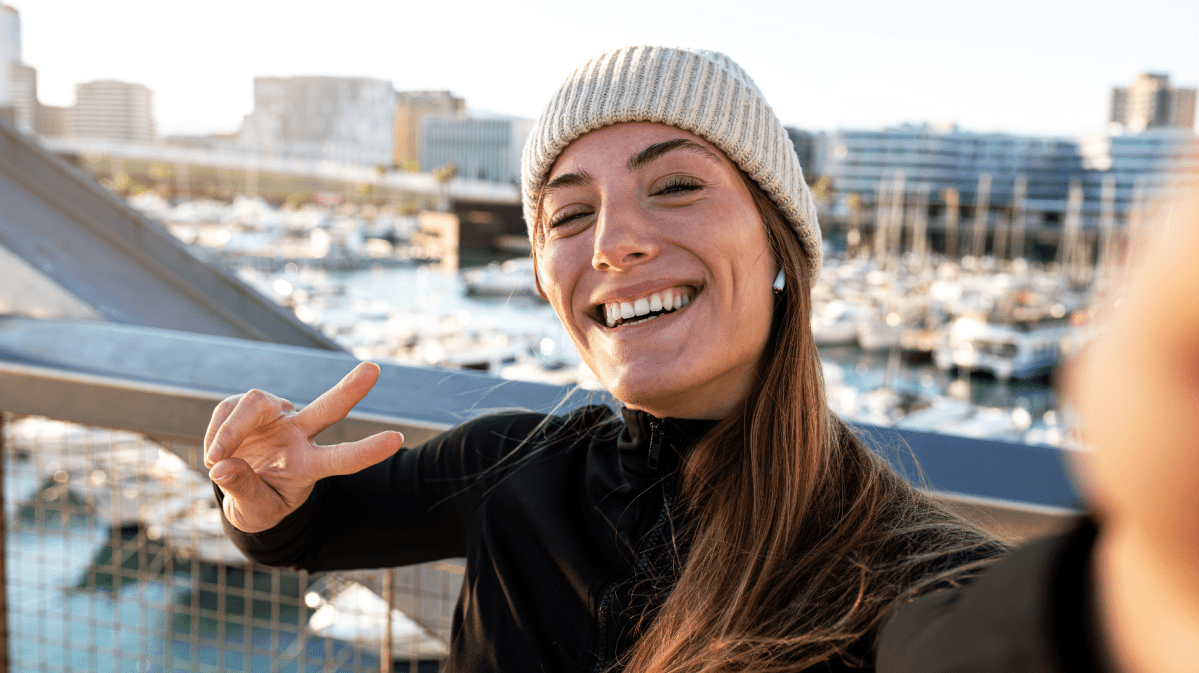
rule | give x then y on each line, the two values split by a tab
219	415
335	403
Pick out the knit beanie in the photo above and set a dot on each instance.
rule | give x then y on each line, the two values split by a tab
699	91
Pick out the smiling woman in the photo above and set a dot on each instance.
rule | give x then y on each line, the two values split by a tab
724	520
652	252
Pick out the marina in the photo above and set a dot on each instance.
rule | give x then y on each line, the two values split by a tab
967	346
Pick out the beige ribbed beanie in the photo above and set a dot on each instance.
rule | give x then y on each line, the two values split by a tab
702	92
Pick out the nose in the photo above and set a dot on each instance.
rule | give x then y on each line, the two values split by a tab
624	238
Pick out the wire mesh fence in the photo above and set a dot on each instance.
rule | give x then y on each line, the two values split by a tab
115	560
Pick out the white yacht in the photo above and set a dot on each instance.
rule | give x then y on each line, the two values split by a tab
1017	349
512	277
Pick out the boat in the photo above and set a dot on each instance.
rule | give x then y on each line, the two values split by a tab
1018	349
351	612
835	323
512	277
880	333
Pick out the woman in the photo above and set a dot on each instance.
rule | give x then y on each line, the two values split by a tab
675	238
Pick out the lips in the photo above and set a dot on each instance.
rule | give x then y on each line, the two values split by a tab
645	308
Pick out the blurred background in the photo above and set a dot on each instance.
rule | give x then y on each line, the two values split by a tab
199	199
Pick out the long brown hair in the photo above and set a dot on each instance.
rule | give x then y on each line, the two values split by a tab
802	540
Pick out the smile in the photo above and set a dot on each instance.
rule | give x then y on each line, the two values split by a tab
644	309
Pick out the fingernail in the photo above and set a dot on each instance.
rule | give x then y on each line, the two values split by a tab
221	473
214	453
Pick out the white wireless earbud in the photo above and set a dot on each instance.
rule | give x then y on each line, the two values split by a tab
780	282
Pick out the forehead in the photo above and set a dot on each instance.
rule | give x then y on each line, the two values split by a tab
615	145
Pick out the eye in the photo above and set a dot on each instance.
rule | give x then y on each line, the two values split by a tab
567	215
676	185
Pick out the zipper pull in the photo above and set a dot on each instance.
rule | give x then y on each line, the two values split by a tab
655	444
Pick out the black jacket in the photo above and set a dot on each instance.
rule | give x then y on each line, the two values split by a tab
565	523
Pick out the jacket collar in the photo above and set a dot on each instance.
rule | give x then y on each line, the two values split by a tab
675	437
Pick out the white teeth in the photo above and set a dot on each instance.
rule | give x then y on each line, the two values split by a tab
667	300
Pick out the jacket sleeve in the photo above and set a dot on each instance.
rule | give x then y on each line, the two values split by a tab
1033	612
411	508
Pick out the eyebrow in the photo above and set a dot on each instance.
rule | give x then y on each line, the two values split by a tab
574	179
638	160
653	152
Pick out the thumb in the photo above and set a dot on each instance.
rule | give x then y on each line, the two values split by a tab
352	457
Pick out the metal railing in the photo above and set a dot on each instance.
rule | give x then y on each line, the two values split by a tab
116	561
115	558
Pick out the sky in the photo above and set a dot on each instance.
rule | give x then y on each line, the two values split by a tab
1040	68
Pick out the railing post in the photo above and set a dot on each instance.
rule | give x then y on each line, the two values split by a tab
385	656
3	556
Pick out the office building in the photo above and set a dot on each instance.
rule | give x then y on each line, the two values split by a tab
482	148
23	96
344	119
51	121
947	158
113	111
18	82
1144	166
10	54
1150	102
411	108
805	147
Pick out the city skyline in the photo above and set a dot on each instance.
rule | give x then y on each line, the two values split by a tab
1012	68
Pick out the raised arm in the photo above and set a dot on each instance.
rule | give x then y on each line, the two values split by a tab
1137	390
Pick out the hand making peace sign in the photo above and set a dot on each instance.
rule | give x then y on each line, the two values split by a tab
260	451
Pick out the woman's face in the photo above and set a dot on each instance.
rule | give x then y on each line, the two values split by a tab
656	260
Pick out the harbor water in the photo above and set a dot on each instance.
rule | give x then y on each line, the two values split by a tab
420	314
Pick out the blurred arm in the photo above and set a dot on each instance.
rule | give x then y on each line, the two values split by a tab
1137	391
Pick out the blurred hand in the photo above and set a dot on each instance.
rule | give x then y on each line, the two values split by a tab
1136	388
260	452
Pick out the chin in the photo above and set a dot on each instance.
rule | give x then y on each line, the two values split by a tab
637	390
646	392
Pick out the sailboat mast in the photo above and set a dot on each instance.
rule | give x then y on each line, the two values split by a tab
1019	214
952	205
918	243
881	212
1069	252
982	206
895	233
1107	225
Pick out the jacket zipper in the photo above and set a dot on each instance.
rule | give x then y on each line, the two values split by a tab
603	656
601	649
655	444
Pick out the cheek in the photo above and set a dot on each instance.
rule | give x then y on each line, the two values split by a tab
559	275
756	317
